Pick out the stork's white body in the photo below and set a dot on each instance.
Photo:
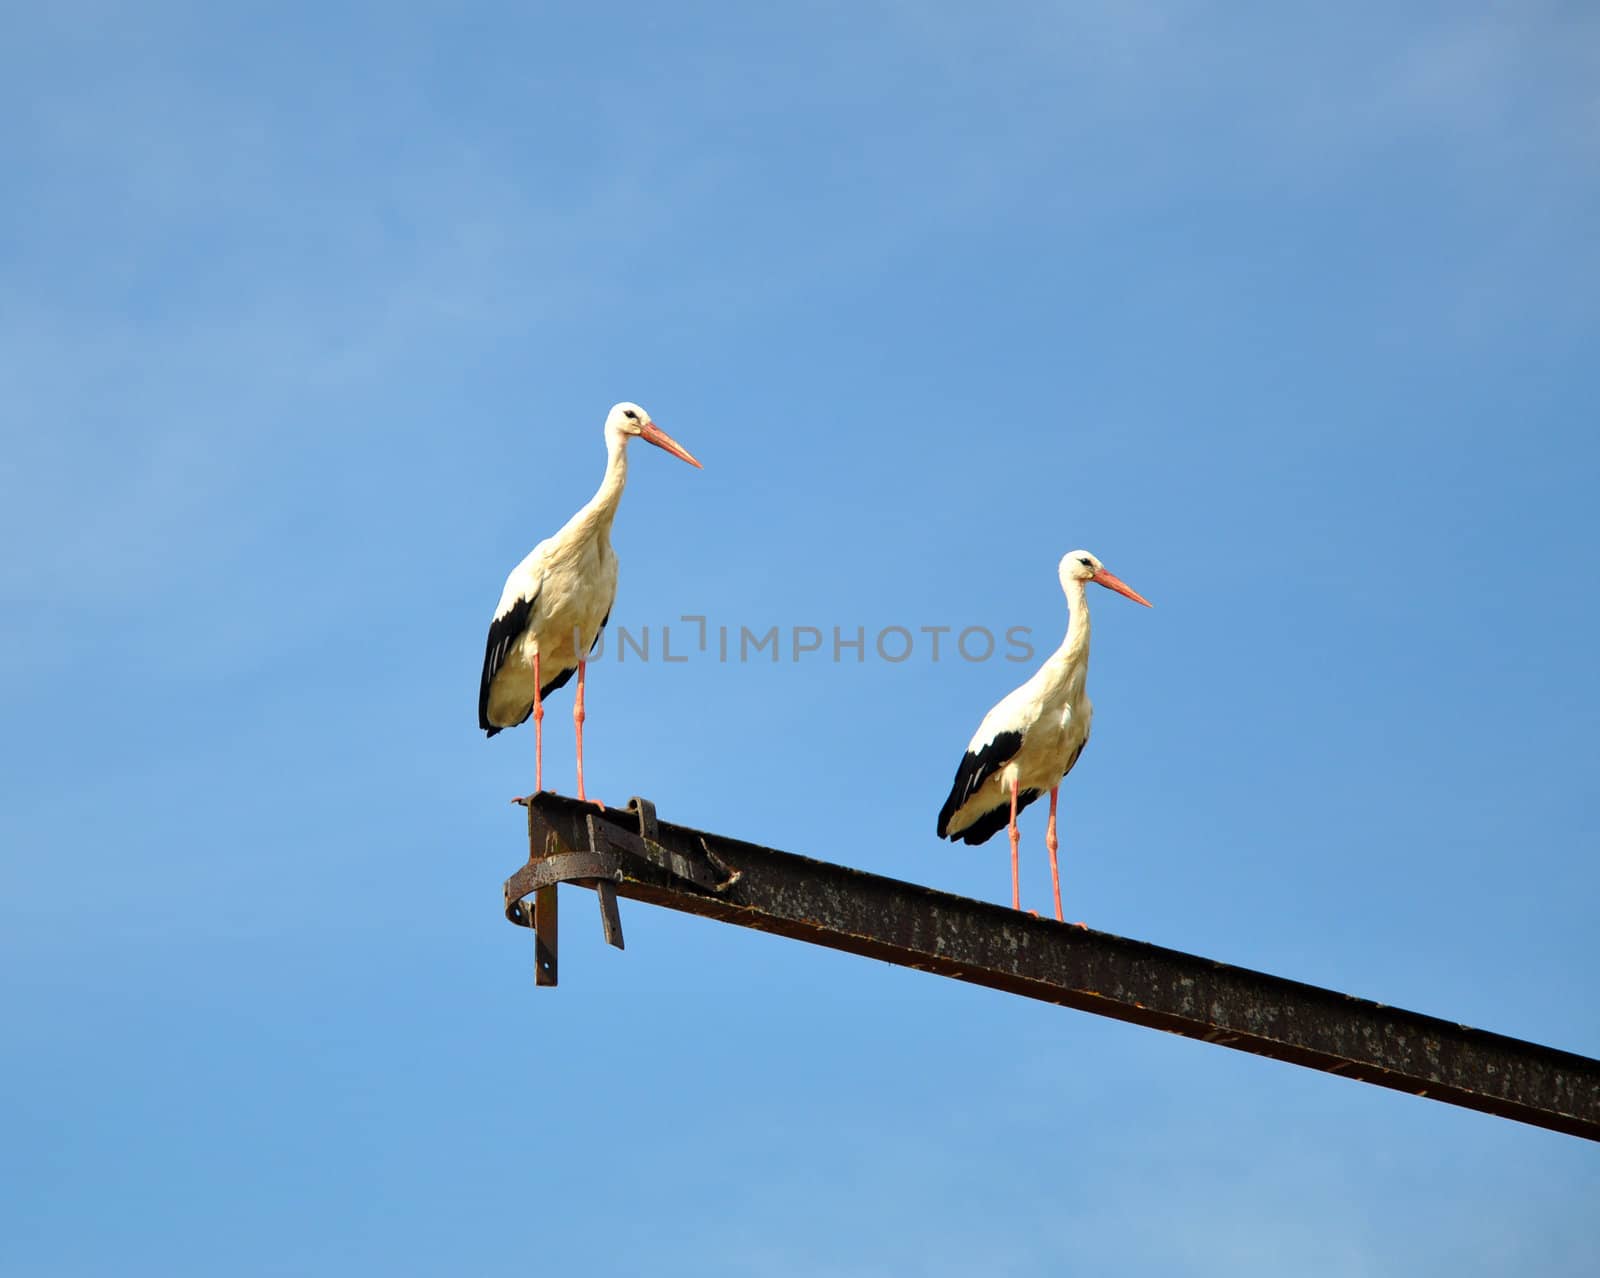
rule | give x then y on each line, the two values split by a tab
1030	740
557	600
1033	738
564	590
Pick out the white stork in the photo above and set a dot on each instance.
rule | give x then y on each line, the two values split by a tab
1032	739
558	599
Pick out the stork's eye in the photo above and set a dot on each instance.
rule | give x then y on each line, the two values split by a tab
1087	563
631	415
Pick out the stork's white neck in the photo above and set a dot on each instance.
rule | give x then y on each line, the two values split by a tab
1073	654
602	506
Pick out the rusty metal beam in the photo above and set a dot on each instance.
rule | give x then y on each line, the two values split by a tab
628	853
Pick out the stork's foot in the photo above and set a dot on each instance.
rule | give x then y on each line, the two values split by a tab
1084	926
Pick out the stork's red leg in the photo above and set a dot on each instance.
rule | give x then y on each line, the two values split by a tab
1051	843
538	730
578	716
1011	830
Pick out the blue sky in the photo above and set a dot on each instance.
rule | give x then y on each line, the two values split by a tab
310	316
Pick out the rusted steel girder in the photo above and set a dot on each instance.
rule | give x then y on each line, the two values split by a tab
629	853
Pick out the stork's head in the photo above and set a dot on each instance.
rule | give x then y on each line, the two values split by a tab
627	420
1080	565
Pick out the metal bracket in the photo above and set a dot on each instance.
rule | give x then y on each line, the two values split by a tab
614	855
606	893
648	849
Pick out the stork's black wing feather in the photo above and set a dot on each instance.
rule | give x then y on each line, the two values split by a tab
504	631
977	766
994	820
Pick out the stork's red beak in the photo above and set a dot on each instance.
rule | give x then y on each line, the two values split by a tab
1121	587
655	435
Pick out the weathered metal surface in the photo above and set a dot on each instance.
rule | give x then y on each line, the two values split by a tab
610	918
544	935
986	944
